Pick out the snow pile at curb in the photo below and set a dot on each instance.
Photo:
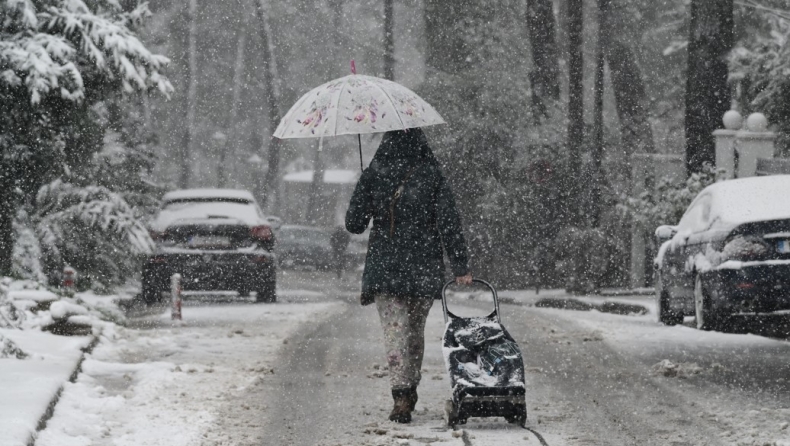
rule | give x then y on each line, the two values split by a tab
43	337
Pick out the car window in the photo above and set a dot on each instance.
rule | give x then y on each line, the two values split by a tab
697	217
176	210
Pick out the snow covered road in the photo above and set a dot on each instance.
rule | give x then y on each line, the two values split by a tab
310	371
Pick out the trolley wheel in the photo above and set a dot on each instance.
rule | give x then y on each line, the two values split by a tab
518	415
451	414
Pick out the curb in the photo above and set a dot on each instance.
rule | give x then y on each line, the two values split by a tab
50	410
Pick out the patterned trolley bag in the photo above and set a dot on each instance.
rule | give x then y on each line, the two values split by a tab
485	366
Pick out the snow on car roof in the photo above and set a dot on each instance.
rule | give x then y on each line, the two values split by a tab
331	176
186	194
751	199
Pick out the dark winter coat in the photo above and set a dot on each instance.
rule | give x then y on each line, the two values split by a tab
405	249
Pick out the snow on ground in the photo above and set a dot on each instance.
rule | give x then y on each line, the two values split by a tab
746	418
31	383
164	383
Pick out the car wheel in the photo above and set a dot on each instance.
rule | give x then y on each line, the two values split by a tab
666	315
267	293
151	295
707	317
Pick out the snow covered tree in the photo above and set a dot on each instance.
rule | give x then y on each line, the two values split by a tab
761	65
58	60
92	229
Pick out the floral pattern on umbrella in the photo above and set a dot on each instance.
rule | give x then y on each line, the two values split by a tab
356	104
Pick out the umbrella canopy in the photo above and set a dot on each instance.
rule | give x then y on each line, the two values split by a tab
356	104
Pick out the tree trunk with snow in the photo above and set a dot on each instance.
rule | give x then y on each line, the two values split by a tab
707	92
270	84
191	98
545	76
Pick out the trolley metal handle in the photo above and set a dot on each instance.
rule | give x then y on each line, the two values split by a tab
447	314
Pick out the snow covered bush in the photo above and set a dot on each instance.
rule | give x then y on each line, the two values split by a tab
585	255
666	203
10	316
92	229
27	250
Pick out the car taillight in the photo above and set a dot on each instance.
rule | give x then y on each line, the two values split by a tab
262	233
157	259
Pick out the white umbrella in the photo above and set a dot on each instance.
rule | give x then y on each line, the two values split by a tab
356	104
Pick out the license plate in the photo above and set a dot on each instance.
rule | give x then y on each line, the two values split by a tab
783	246
199	241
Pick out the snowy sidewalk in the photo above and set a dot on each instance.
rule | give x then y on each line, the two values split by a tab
34	383
163	383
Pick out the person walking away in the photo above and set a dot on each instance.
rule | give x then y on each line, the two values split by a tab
414	218
339	242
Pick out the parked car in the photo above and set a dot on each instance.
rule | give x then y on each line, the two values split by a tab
304	245
217	239
729	254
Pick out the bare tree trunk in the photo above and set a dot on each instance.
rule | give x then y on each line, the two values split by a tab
389	41
270	81
446	50
707	92
598	149
630	97
232	127
545	77
575	103
191	99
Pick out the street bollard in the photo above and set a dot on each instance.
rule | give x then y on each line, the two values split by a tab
69	280
175	296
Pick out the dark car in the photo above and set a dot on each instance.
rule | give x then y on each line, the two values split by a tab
304	245
729	254
217	239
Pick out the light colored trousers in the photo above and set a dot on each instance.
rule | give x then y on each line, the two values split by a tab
403	321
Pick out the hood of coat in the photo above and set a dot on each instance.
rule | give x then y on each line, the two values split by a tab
403	145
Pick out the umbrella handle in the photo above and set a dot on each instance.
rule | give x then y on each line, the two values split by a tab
359	138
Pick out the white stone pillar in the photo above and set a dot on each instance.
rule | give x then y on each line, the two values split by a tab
753	143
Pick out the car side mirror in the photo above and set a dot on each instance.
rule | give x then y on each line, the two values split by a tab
665	232
274	222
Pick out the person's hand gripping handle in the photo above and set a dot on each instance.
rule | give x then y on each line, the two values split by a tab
464	280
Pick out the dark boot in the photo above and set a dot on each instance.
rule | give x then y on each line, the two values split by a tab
412	398
401	412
